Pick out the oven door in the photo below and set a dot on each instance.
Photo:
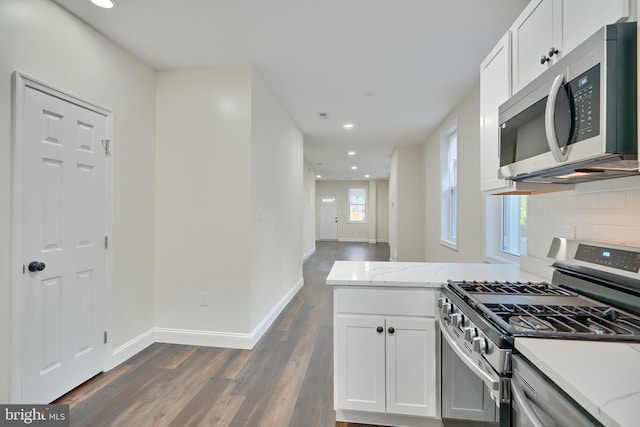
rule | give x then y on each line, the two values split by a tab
468	391
536	402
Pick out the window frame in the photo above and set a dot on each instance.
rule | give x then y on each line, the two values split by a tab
495	227
449	230
365	204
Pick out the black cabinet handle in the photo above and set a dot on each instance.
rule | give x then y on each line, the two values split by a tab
380	329
553	51
544	59
36	266
391	330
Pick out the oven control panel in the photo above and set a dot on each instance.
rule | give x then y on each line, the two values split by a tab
469	338
619	259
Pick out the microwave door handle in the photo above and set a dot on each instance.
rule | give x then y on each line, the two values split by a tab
549	121
523	403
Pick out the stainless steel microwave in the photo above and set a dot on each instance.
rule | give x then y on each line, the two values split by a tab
577	121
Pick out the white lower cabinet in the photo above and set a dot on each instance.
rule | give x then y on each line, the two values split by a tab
385	362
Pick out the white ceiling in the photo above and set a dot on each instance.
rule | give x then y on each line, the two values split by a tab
419	58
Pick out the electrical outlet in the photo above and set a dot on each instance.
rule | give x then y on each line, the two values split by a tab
204	299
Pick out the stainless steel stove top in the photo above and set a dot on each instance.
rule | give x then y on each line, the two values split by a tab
541	309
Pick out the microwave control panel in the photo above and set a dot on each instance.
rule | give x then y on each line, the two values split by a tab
585	93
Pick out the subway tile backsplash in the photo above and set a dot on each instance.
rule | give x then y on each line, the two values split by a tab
602	211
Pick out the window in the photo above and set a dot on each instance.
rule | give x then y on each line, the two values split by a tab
357	204
514	225
449	196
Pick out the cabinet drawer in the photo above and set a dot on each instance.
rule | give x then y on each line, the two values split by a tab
398	302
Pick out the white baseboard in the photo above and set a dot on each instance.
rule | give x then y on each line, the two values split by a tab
130	349
266	323
202	338
309	253
353	240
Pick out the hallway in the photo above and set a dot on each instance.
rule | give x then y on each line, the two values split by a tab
286	380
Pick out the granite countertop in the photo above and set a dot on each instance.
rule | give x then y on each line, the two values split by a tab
420	274
603	377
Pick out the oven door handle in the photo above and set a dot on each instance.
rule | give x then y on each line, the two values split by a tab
523	403
492	381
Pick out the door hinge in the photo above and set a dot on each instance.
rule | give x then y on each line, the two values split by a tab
105	337
106	242
105	144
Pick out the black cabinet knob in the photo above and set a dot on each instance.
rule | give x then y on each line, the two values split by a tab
544	59
553	51
380	329
391	330
36	266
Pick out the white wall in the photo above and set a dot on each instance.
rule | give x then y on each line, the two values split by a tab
382	214
471	211
407	210
393	210
309	211
277	187
43	41
203	217
229	203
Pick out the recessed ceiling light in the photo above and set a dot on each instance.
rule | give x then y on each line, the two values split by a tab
354	167
351	153
105	4
367	176
318	176
348	125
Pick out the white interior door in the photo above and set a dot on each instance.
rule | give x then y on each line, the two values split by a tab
328	217
64	229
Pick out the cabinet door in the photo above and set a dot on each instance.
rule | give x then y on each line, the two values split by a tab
495	88
411	366
464	395
533	36
360	363
582	18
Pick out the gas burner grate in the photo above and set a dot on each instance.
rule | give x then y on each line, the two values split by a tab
518	288
570	320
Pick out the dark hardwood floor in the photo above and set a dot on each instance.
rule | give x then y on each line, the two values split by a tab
286	380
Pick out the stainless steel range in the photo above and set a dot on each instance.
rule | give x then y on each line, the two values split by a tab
594	295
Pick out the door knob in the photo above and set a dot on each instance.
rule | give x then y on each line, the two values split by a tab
36	266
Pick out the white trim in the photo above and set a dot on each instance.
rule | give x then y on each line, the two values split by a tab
20	83
227	339
374	418
203	338
266	323
199	337
382	241
130	349
353	239
309	253
490	259
372	241
450	245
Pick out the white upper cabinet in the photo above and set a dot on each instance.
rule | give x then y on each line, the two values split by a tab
522	54
534	34
582	18
495	88
548	29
